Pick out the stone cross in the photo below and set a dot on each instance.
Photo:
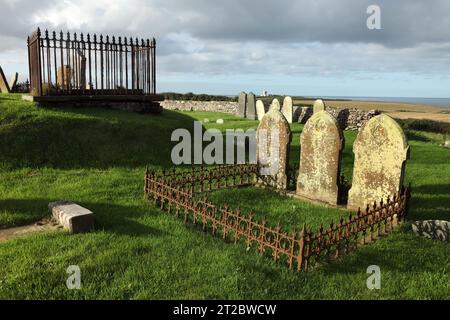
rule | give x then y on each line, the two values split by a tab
381	151
321	143
260	110
287	109
251	107
242	103
273	140
318	105
4	86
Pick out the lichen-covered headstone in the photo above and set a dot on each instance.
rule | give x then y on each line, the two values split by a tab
242	104
321	146
250	112
260	111
318	105
287	109
381	151
4	86
273	140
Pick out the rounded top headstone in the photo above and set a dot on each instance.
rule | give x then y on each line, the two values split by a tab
318	105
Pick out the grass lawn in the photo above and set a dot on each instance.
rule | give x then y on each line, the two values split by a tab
97	158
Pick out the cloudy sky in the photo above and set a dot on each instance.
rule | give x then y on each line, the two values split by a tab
297	47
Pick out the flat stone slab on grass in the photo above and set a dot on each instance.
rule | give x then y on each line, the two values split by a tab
433	229
72	216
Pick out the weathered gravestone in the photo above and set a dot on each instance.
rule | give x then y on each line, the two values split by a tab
381	151
273	140
4	86
275	105
242	104
287	109
250	112
321	146
13	82
64	74
318	105
260	110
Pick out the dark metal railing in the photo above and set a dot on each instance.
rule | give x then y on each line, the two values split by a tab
91	65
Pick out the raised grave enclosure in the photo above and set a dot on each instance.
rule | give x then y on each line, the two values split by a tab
178	192
77	70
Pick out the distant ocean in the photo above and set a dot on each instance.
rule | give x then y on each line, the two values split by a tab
439	102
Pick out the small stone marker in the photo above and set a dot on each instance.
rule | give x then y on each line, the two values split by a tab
287	109
72	217
321	146
381	151
13	82
219	121
4	86
260	111
250	112
242	104
433	229
447	144
318	105
273	139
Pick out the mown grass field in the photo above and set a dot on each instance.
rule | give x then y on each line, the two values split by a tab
97	158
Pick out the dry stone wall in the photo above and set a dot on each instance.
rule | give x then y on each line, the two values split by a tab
348	119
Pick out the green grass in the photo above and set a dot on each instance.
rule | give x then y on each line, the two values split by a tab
97	158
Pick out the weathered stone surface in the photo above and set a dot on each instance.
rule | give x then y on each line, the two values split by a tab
273	140
13	81
321	146
447	144
318	105
64	75
302	114
287	109
275	105
242	104
210	106
260	111
251	107
4	86
381	151
433	229
72	217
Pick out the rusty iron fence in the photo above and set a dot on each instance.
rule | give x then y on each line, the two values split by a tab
65	64
175	191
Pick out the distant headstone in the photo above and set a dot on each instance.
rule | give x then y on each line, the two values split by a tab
242	104
381	151
64	75
13	82
260	111
250	112
321	146
432	229
318	105
72	216
287	109
219	121
4	86
275	105
273	140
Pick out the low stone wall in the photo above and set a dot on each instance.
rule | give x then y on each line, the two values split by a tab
349	119
211	106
